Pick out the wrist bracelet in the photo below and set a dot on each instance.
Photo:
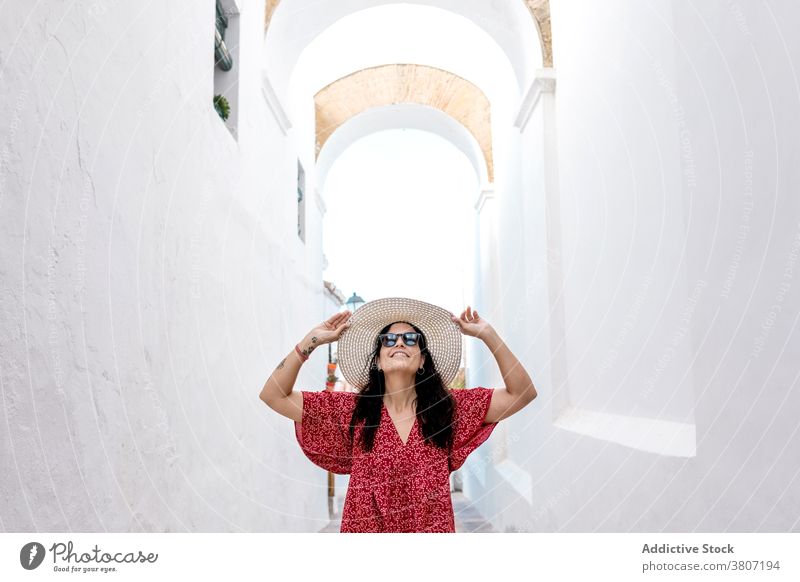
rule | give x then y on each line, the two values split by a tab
300	353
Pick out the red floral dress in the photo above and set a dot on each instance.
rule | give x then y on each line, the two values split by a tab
395	487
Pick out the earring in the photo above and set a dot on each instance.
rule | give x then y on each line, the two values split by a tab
421	371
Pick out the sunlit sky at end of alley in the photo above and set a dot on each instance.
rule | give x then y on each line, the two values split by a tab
400	219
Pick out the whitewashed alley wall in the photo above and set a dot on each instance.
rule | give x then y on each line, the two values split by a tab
152	278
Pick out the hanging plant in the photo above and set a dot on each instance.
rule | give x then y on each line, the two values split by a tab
222	106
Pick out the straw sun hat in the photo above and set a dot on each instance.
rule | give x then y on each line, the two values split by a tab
357	341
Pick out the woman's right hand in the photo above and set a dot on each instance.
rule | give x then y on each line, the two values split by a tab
330	330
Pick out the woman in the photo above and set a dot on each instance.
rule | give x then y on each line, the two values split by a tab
404	432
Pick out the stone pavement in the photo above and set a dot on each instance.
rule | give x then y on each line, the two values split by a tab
468	520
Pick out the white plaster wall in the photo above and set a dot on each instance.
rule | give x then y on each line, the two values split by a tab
151	279
513	287
622	218
738	88
679	241
465	49
510	258
295	24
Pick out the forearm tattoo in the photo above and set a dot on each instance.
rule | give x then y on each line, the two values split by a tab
283	361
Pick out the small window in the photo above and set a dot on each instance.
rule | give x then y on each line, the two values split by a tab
301	202
226	66
224	59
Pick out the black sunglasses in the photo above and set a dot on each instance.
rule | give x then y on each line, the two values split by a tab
389	340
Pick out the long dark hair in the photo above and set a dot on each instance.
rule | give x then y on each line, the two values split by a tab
435	405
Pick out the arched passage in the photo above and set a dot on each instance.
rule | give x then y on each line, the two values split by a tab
372	87
414	116
396	84
294	25
539	11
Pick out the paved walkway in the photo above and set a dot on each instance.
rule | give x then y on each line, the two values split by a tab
468	520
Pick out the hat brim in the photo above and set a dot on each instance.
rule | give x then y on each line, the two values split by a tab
358	341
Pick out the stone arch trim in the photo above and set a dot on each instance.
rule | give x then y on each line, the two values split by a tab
538	9
269	10
401	116
393	84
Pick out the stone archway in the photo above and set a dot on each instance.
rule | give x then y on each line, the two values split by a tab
538	9
386	85
401	116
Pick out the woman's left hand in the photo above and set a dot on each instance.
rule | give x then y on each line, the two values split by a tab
471	323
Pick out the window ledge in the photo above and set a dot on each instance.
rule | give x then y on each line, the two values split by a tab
663	437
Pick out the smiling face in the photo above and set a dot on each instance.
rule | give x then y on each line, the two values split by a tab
400	357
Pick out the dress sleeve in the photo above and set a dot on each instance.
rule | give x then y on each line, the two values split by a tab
323	432
470	430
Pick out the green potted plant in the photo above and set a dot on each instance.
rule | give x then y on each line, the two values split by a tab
222	106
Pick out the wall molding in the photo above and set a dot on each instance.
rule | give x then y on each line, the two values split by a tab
652	435
274	104
486	194
320	202
543	82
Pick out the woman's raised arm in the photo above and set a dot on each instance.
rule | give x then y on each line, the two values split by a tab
277	392
519	390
